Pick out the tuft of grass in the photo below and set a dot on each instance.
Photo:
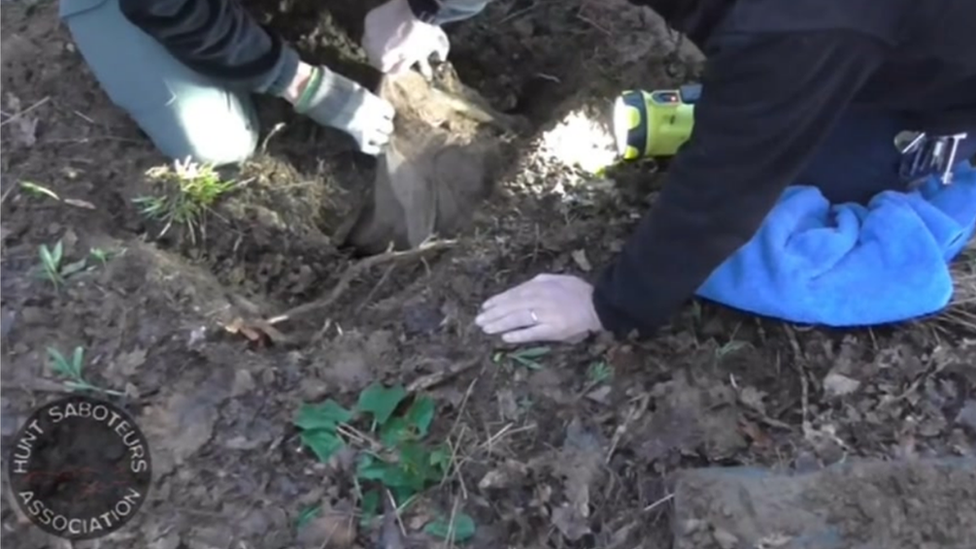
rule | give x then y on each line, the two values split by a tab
189	191
72	370
528	358
392	454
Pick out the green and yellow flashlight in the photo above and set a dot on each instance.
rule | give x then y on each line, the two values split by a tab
654	124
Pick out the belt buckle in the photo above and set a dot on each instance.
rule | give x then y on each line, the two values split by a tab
951	160
924	155
913	147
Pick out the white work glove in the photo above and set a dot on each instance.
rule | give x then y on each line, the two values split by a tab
395	40
546	308
333	100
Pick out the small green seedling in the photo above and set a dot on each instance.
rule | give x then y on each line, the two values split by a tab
71	369
525	357
51	263
102	255
307	515
599	372
730	347
189	192
38	190
459	530
53	270
389	436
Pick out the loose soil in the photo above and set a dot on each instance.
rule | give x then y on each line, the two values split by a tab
546	457
857	504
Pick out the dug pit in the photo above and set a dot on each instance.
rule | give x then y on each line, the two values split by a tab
446	151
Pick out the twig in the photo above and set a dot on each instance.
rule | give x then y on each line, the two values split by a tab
436	378
635	412
25	111
804	384
369	296
7	193
450	525
455	466
352	272
274	131
659	502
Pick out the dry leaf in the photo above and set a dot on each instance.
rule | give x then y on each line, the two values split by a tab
579	256
79	203
256	331
569	523
332	527
839	385
24	128
127	363
580	462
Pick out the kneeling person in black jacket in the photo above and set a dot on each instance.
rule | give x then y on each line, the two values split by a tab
184	70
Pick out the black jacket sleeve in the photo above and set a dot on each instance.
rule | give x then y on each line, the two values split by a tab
217	38
220	39
767	102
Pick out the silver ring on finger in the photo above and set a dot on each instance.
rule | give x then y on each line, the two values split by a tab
533	316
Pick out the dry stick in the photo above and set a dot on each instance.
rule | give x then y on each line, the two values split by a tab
455	466
369	296
7	193
621	430
450	525
436	378
804	384
661	501
25	111
352	272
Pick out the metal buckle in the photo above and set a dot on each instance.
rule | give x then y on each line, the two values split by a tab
924	155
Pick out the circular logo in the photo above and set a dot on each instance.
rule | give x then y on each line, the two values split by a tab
79	468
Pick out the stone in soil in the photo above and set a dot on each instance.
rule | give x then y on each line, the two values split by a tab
856	505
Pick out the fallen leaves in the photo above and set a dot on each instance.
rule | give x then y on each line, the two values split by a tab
327	526
23	126
580	463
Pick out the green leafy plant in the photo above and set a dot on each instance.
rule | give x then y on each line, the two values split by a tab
388	429
524	357
72	370
189	190
599	372
461	529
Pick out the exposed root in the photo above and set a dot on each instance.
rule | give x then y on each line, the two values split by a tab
354	271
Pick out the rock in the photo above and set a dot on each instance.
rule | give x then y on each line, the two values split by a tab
836	385
725	539
967	415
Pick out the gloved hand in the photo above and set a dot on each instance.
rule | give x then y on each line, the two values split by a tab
333	100
546	308
395	40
